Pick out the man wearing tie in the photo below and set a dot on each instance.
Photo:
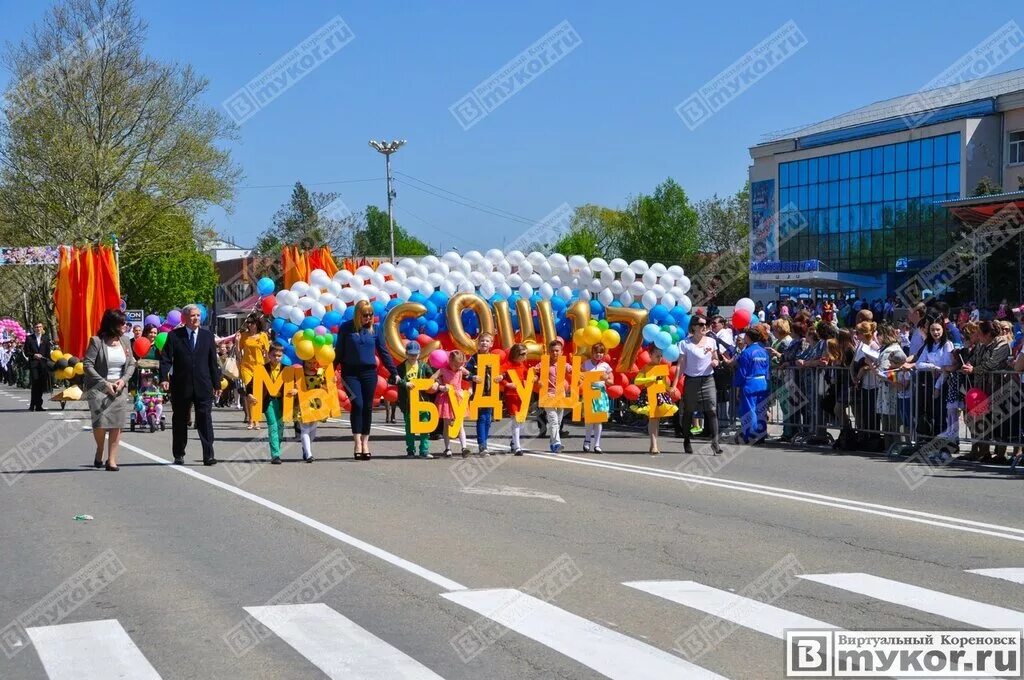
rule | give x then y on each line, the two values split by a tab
189	357
37	350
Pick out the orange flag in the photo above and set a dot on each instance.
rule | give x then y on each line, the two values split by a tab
86	288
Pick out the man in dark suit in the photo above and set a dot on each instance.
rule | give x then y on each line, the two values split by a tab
37	351
189	357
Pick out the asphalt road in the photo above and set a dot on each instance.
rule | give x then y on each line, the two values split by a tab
621	565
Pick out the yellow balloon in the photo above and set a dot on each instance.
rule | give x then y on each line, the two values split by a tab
610	338
56	355
298	337
68	373
223	383
79	368
305	349
578	337
591	335
325	354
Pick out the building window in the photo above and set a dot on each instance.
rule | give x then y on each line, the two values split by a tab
1016	154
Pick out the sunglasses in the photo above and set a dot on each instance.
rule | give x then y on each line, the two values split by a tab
701	324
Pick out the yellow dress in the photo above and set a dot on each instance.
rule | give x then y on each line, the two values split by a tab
663	409
254	353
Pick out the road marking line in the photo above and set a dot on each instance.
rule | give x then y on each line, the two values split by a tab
986	616
516	491
1014	574
91	650
338	646
737	609
604	650
905	514
391	558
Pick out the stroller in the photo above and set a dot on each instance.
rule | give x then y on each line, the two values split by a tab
149	405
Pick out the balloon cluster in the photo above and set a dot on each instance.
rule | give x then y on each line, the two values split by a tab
742	314
64	366
165	325
12	329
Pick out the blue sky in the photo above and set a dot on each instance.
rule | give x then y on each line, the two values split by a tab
597	126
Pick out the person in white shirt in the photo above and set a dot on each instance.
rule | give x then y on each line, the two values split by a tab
596	362
865	382
934	361
698	358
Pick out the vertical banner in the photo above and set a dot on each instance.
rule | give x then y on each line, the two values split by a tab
764	227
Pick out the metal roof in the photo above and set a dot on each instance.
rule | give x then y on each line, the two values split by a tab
981	200
910	104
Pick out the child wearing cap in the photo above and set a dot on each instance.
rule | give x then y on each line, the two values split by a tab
411	369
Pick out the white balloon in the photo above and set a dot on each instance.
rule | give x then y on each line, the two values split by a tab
296	315
685	303
300	287
534	279
400	275
638	267
659	290
328	299
525	290
421	271
487	289
606	275
504	290
476	278
342	276
361	297
543	270
618	265
676	271
430	261
458	277
473	256
649	278
392	287
676	292
414	282
436	278
291	298
450	287
525	268
745	303
658	268
466	287
683	284
595	286
451	258
598	264
334	288
577	262
340	307
555	281
648	300
371	292
546	291
557	261
626	298
282	312
606	296
406	264
627	276
515	258
667	280
386	269
636	288
442	268
503	267
495	255
427	288
282	297
514	280
565	292
319	278
585	276
364	272
616	287
405	293
484	265
668	300
348	295
535	258
318	310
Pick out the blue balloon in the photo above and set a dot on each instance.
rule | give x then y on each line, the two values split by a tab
309	322
349	313
286	360
289	352
615	303
277	324
659	313
420	323
596	308
288	330
332	319
392	303
265	286
663	340
558	304
671	353
418	297
636	305
651	331
432	329
432	308
378	308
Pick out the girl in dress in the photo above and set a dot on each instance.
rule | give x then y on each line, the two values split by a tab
601	403
448	381
664	408
510	397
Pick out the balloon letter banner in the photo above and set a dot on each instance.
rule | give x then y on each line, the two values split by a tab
635	319
261	382
419	406
486	363
392	334
560	399
657	387
319	403
589	394
476	303
524	388
527	333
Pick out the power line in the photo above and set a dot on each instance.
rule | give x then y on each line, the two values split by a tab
517	220
312	184
467	198
427	222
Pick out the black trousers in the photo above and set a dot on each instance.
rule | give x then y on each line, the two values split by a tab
360	388
40	384
182	405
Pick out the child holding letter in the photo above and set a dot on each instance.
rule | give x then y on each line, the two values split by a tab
517	365
411	369
663	407
601	404
448	381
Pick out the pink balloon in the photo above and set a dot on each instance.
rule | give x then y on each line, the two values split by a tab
438	359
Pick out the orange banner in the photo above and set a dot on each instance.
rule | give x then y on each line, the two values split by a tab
298	265
86	287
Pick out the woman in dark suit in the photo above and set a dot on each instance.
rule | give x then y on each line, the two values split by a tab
109	365
360	341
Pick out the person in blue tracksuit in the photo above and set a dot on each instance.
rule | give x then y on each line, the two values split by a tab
360	342
752	368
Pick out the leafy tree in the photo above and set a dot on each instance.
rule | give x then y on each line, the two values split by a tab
374	237
662	227
309	220
592	232
724	232
157	284
987	187
98	139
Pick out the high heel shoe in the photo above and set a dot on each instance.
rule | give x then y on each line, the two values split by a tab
97	462
112	468
716	447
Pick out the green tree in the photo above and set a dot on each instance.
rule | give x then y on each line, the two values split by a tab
987	187
98	139
592	232
374	237
158	284
724	232
309	220
662	227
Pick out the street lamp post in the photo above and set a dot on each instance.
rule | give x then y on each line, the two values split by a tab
388	148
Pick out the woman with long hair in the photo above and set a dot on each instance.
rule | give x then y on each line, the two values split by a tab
109	365
254	344
990	355
932	362
698	358
360	343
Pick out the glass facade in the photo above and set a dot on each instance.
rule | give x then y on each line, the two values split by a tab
866	209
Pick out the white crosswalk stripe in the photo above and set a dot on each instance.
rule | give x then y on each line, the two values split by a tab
1014	574
338	646
737	609
91	650
987	616
604	650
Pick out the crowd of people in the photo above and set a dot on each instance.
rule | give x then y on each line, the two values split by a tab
887	379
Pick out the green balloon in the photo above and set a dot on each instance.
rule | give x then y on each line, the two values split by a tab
309	334
161	339
603	324
320	340
666	328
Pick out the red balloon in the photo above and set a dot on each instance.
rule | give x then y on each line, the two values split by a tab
141	346
632	392
643	359
382	387
267	304
391	395
976	402
740	319
614	391
423	339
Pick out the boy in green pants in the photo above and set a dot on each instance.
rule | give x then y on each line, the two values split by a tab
410	370
273	407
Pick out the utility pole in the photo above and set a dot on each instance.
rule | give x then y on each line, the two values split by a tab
388	148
